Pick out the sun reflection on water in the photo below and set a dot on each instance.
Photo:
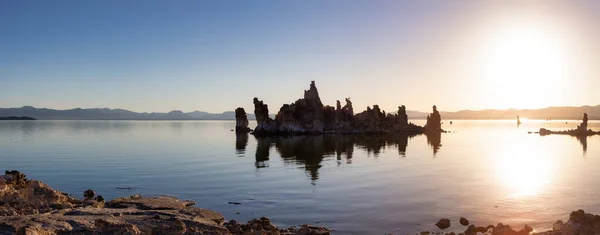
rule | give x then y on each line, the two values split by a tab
525	169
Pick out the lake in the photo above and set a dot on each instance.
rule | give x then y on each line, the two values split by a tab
486	171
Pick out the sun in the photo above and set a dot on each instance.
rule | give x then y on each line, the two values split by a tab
523	66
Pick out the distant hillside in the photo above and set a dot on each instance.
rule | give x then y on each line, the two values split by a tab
575	113
122	114
113	114
16	118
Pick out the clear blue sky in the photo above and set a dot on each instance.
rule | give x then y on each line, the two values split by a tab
218	55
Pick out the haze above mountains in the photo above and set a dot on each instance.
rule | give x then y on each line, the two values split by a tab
122	114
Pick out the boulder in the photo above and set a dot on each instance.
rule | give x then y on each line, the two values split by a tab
20	196
88	194
464	221
443	223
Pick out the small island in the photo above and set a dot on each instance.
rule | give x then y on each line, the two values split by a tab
11	118
581	130
308	115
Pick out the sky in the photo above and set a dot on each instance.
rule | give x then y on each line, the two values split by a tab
215	56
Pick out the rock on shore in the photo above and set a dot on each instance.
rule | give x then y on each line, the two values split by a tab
34	208
579	223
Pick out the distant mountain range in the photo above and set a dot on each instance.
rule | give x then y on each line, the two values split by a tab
113	114
122	114
565	112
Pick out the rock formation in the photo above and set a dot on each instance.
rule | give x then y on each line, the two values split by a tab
580	131
583	127
434	121
303	116
264	124
241	121
309	116
32	207
402	117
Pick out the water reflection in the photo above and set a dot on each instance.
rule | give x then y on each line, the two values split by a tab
583	142
263	147
309	151
435	141
241	141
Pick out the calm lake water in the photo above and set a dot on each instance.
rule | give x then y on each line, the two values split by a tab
486	171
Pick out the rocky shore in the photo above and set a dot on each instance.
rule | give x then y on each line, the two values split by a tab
30	207
33	208
308	115
579	223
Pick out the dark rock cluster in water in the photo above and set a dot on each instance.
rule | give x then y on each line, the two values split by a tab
581	130
308	115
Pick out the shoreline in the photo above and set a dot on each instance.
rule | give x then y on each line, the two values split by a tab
32	207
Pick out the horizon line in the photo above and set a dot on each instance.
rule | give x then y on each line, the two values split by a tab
175	110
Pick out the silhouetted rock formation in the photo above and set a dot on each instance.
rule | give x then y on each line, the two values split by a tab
241	121
264	124
402	117
309	116
434	121
303	116
581	130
